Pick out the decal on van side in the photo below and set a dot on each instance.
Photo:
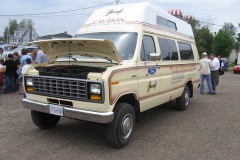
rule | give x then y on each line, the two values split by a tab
112	11
149	86
177	78
181	68
151	70
111	21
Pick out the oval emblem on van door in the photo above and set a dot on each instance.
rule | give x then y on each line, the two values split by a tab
151	70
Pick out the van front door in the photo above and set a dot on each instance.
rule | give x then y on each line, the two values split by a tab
148	74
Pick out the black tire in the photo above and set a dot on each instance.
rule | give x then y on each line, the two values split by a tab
44	120
235	72
182	102
119	132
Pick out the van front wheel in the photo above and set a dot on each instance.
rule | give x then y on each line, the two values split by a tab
182	102
119	132
44	120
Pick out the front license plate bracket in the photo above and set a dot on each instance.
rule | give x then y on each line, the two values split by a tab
56	110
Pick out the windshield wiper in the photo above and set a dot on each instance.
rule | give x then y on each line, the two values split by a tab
73	59
70	57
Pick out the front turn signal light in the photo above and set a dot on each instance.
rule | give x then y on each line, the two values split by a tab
30	89
95	97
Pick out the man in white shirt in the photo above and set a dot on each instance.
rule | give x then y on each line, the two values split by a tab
205	65
214	71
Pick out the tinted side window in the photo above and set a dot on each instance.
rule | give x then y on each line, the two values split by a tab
168	49
165	53
173	49
147	48
186	52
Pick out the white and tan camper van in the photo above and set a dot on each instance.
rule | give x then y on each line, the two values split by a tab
124	60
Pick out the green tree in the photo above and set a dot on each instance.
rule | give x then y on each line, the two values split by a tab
204	40
2	39
9	30
230	29
222	44
238	41
202	35
26	23
194	23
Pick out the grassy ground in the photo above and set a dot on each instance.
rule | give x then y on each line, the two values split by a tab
231	65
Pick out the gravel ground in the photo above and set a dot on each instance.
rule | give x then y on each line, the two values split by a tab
209	129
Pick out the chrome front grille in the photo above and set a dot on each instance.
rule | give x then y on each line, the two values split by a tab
60	87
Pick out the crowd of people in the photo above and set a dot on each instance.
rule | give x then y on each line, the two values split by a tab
209	68
12	67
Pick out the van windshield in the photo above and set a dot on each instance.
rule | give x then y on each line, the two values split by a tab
125	42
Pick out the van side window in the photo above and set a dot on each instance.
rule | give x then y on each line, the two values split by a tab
167	23
161	21
147	48
186	52
172	25
168	49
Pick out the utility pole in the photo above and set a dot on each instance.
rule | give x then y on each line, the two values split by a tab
8	31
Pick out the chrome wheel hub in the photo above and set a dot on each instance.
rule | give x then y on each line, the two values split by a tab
187	98
127	125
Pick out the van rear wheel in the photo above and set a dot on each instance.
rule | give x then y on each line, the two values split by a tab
119	132
182	102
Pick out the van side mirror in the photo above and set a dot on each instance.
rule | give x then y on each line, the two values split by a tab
155	56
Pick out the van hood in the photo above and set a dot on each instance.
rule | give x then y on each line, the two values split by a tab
101	48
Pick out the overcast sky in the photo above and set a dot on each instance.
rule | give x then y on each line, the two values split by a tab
218	11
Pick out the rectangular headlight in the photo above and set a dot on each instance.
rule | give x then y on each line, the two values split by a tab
29	82
95	88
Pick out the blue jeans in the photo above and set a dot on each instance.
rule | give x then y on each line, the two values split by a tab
209	83
16	84
9	84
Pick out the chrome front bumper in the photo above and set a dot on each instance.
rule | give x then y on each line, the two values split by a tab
98	117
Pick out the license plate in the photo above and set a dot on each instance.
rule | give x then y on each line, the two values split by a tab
56	110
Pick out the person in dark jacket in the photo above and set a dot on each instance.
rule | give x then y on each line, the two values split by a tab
17	61
11	68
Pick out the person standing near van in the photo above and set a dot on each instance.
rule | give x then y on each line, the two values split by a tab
205	65
214	71
11	68
16	58
40	56
24	57
2	70
1	54
24	68
23	62
221	67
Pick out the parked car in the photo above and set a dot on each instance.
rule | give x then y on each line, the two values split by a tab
225	67
19	49
8	47
236	69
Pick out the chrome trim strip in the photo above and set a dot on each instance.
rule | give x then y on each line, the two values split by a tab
98	117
